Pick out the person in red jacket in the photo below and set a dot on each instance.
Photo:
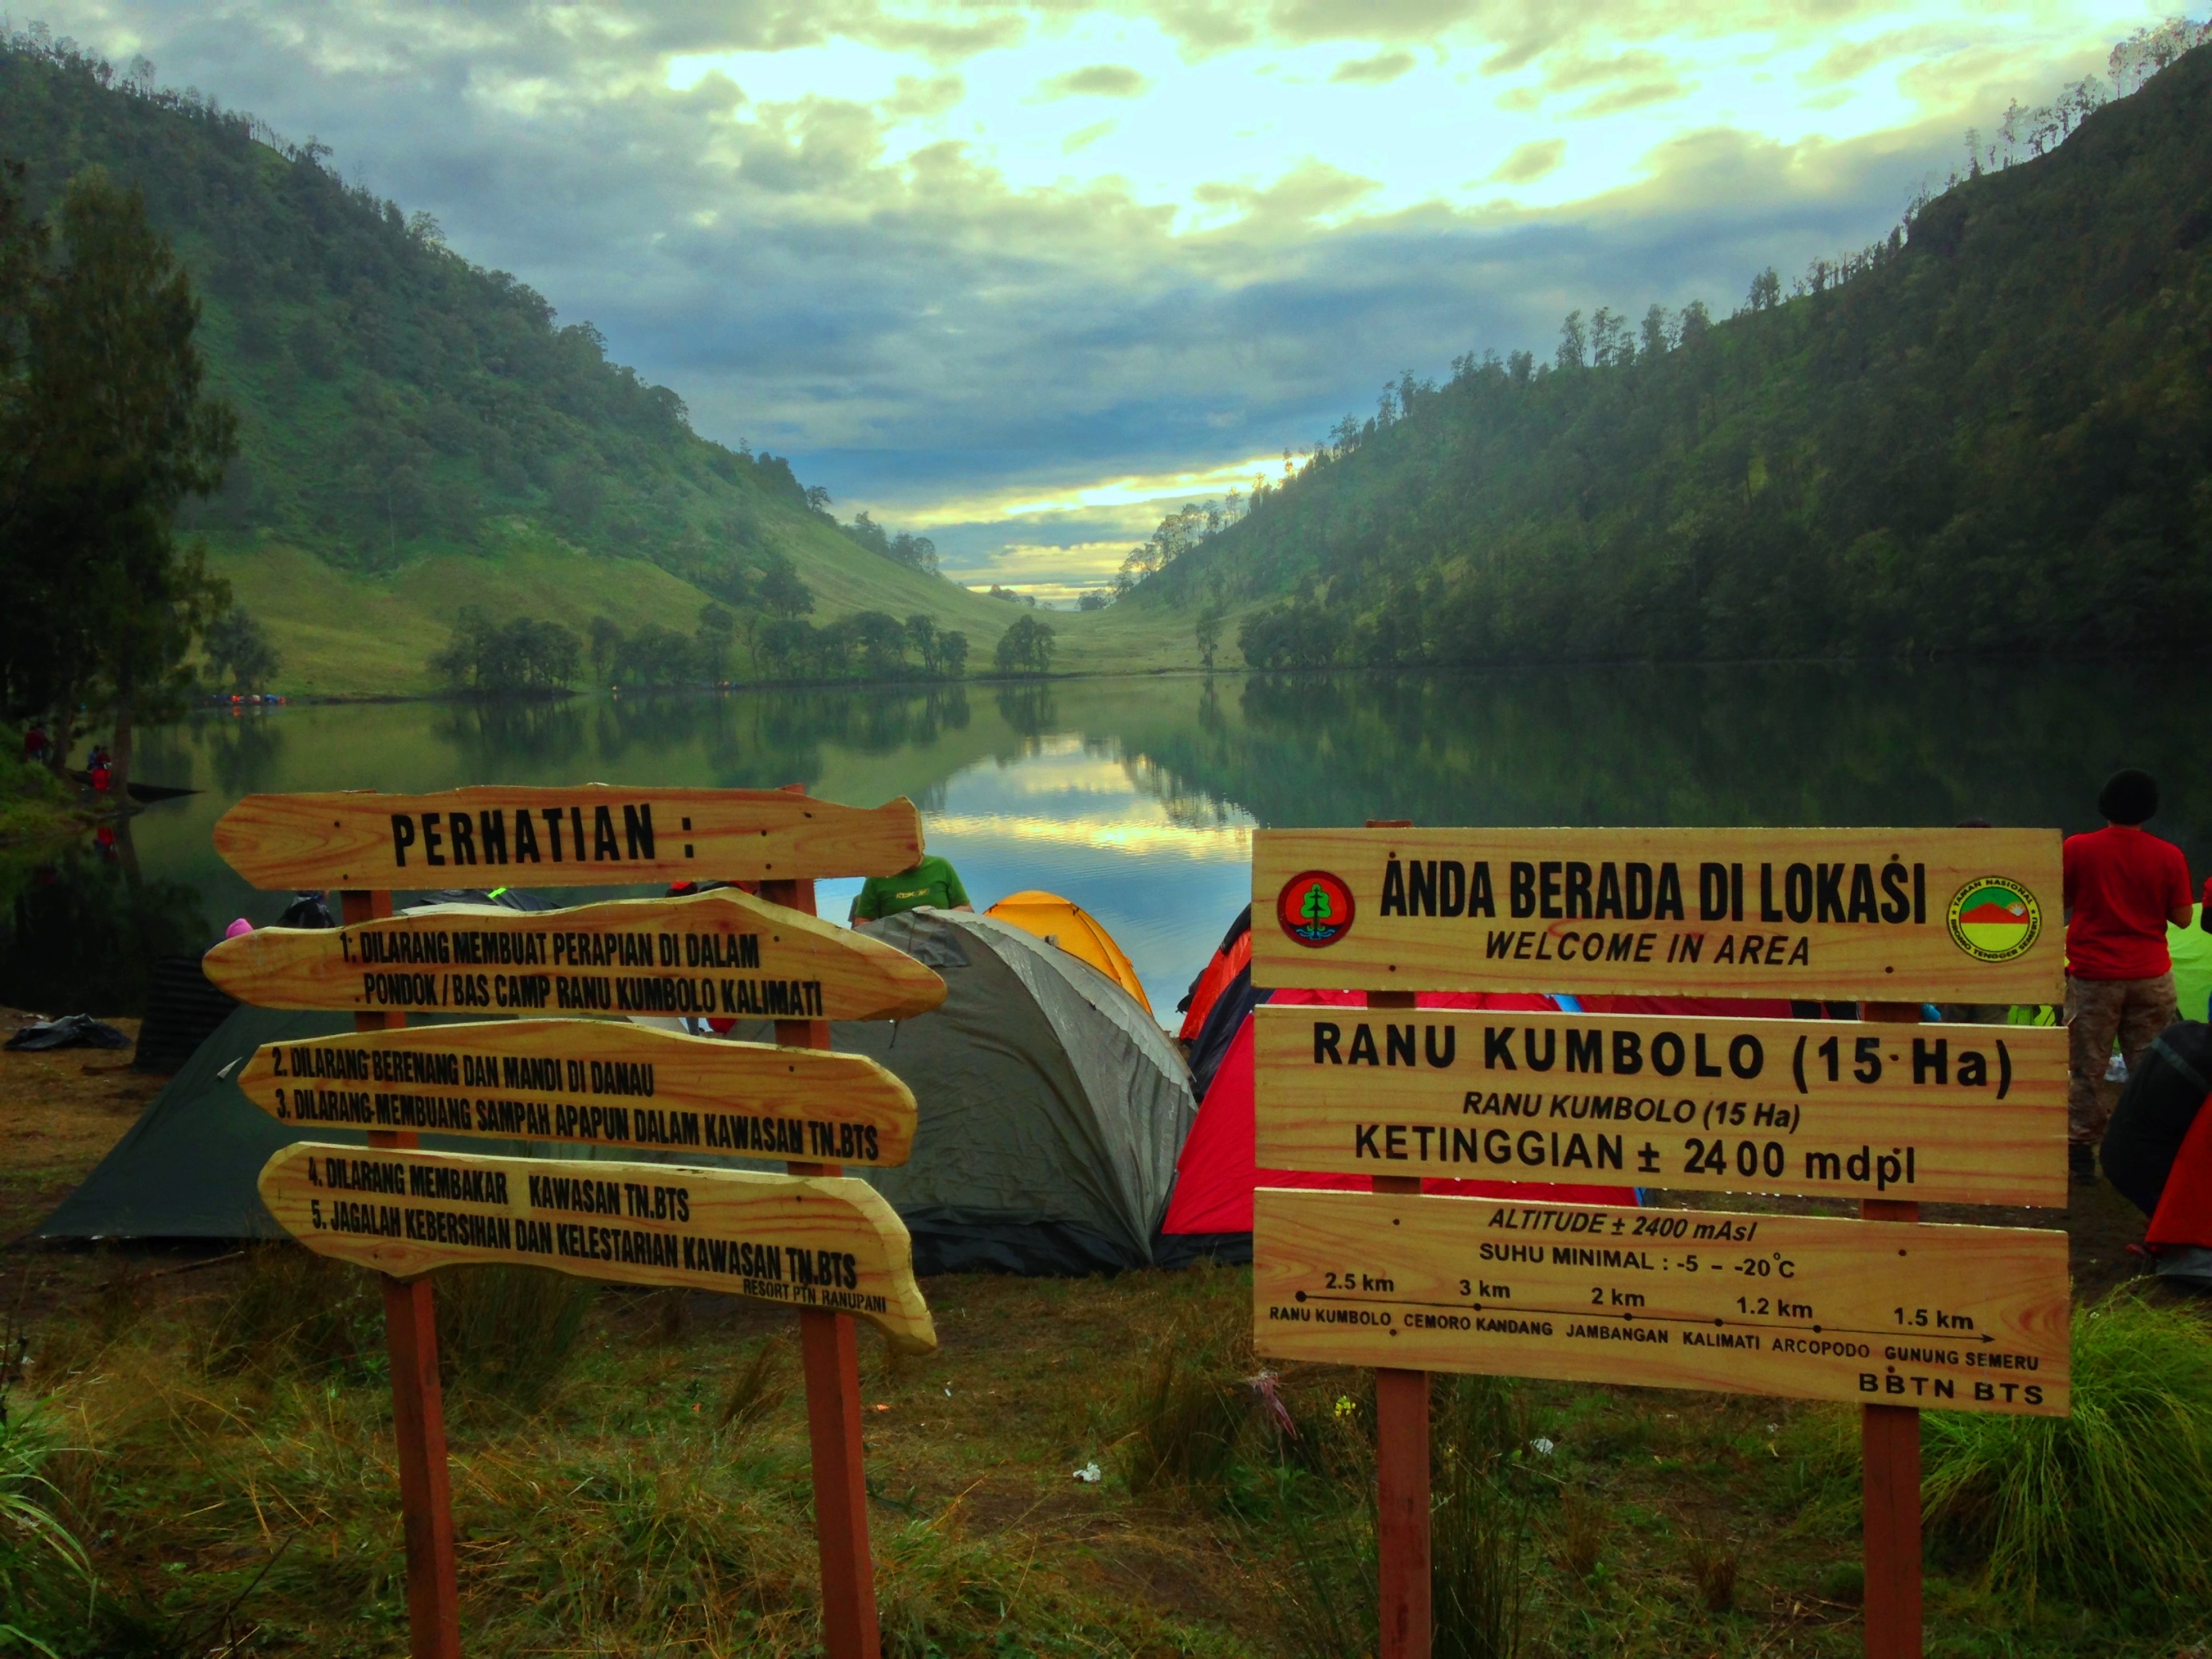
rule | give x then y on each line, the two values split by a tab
2122	887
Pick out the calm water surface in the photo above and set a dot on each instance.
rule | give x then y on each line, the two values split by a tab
1137	798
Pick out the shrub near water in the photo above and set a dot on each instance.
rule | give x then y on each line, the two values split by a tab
2108	1502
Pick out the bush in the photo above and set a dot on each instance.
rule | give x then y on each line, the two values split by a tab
2112	1501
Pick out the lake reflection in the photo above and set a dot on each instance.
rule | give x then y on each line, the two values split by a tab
1137	798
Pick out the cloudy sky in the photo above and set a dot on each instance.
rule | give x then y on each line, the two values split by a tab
1021	274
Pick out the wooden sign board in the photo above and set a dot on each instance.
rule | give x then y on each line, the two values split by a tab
827	1244
1953	1114
592	1082
722	954
1904	915
1879	1313
594	834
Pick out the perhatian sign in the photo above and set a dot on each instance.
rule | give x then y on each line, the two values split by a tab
592	1082
1878	1313
719	954
1885	915
830	1245
1956	1113
595	835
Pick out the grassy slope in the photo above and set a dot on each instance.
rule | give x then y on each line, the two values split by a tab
427	454
348	634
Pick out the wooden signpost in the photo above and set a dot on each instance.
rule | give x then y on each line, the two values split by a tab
1894	915
828	1247
594	1084
594	836
1960	1115
1817	1307
719	954
829	1243
1893	1315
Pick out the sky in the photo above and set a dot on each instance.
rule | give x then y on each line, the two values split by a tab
1023	276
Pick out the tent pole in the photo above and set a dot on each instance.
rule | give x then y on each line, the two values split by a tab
830	1349
418	1410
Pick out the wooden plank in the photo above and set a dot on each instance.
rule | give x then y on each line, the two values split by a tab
799	1243
590	835
1955	1318
592	1082
722	953
1920	914
1953	1113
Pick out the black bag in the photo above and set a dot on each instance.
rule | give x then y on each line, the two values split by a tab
2164	1090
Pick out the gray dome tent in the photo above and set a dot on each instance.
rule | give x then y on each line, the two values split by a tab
1052	1113
1053	1109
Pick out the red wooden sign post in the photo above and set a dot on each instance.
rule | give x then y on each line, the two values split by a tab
829	1350
1889	1471
418	1405
1401	1454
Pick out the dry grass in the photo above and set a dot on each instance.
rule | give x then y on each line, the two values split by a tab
231	1477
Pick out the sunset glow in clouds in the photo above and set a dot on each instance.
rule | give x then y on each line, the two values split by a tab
1024	276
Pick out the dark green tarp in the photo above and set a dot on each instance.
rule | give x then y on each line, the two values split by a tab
187	1168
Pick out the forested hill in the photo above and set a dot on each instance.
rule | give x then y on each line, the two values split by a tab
401	407
1992	434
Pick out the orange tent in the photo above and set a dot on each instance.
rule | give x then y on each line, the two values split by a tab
1064	923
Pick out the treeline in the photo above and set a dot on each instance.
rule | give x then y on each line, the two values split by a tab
1990	432
529	656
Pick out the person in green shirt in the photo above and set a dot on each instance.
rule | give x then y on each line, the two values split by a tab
933	881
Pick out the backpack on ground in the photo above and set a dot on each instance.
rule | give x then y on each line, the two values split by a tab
2156	1108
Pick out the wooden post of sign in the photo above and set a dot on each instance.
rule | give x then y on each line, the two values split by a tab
829	1351
418	1408
1401	1454
1889	1461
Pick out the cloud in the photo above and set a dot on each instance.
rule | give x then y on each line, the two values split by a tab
1376	71
730	189
1633	96
1531	162
1096	81
914	98
1083	137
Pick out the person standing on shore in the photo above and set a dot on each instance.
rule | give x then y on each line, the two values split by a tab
2122	887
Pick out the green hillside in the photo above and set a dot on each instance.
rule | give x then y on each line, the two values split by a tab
418	433
1991	433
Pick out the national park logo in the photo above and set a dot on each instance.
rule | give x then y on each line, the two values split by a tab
1995	919
1314	909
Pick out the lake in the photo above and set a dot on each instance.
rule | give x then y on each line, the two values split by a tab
1137	798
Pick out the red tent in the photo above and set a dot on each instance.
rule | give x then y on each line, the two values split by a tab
1229	958
1217	1172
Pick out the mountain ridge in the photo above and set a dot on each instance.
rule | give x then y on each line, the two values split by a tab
1991	433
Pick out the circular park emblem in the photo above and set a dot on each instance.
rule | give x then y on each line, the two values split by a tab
1314	908
1994	919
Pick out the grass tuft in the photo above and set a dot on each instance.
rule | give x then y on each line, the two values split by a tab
1479	1519
1188	1409
1712	1565
2111	1502
508	1331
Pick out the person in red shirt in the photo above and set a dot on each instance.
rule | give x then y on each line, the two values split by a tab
2123	886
